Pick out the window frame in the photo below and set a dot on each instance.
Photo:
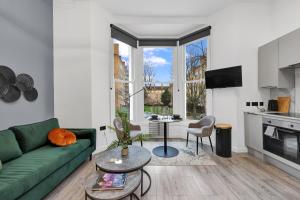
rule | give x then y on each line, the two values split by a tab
185	82
174	71
114	80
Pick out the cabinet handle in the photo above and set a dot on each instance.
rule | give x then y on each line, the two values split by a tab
269	121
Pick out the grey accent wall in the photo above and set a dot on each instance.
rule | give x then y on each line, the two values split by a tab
26	45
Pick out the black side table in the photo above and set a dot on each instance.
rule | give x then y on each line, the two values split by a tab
223	140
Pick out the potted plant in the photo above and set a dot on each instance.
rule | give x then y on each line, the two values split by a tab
123	135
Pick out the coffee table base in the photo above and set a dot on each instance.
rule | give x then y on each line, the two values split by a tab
160	151
142	182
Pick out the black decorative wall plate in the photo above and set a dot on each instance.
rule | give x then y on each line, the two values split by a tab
8	74
31	95
12	95
24	82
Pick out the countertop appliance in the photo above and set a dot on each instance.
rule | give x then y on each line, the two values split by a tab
282	137
273	105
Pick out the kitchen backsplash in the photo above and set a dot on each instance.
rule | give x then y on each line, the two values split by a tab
294	93
276	92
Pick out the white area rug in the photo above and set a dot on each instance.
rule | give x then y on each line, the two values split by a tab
187	155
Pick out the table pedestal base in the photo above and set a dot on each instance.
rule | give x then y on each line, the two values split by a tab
166	153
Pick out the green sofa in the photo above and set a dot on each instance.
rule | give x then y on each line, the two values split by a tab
32	167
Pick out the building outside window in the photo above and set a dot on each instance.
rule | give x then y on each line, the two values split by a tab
195	67
122	77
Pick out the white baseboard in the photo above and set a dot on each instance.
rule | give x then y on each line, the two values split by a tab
239	149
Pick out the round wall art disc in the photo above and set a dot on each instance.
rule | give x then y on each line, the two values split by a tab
3	86
4	90
31	95
3	81
24	82
8	73
12	95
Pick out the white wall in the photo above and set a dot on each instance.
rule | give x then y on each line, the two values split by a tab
81	65
72	63
236	34
101	52
285	17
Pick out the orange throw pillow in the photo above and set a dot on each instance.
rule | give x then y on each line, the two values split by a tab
61	137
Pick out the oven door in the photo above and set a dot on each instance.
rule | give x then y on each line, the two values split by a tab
284	143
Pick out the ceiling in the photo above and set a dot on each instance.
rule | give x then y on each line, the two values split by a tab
163	8
147	18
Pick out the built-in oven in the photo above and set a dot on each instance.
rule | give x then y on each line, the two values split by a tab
282	137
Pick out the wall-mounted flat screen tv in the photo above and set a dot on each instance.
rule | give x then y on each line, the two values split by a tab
222	78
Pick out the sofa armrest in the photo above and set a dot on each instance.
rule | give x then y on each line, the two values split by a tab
85	133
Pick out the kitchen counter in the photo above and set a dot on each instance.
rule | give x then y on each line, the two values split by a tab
271	115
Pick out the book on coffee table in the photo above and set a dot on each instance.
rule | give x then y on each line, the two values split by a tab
110	181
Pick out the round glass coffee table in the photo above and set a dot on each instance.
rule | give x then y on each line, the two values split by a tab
111	161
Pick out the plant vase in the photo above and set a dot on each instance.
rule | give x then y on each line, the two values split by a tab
124	151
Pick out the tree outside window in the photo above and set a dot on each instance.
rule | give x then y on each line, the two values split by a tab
158	80
196	64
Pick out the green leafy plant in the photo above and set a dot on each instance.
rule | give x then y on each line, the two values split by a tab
166	97
124	138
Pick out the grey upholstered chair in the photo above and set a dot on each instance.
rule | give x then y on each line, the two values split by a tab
201	129
134	129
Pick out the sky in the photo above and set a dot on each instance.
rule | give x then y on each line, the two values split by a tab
161	60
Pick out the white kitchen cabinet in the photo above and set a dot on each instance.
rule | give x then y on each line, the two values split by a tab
289	48
267	64
253	131
269	73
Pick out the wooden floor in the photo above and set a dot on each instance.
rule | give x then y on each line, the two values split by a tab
239	177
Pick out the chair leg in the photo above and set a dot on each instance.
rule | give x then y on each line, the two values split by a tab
212	149
141	143
197	144
201	141
187	139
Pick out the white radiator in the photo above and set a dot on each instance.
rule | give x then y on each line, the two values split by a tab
157	129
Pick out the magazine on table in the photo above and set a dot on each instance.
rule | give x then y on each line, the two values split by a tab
110	181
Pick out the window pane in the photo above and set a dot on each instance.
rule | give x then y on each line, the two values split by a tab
195	100
122	76
158	78
158	99
196	63
122	102
196	60
121	60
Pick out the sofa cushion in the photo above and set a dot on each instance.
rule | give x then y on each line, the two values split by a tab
20	175
61	137
9	147
32	136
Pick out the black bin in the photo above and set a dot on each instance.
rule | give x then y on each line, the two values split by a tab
223	140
